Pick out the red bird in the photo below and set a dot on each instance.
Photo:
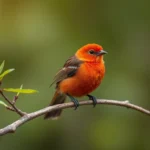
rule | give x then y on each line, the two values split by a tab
80	75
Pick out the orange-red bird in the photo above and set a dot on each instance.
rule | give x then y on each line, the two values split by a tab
80	75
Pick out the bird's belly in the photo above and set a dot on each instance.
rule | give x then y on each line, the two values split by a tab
82	83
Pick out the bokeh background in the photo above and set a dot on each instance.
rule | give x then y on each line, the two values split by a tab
37	36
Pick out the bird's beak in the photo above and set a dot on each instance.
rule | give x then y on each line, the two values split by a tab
102	52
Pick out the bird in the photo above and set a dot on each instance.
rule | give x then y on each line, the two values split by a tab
80	75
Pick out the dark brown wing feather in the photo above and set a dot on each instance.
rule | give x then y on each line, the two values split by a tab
69	69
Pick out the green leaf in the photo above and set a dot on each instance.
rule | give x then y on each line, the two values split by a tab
2	103
2	66
24	91
5	73
20	89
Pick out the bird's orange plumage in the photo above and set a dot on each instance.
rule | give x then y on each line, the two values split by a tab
87	77
89	74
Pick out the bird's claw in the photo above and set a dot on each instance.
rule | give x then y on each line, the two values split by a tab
76	105
93	99
75	101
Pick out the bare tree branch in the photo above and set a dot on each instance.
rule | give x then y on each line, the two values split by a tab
30	116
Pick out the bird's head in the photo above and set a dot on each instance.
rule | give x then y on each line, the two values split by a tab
91	53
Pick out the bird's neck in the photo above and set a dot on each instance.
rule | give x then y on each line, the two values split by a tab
97	60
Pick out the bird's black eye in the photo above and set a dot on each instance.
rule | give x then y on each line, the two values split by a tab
91	52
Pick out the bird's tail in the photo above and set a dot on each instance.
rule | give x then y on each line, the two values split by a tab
58	98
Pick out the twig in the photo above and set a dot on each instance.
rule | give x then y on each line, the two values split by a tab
18	111
12	127
15	100
10	108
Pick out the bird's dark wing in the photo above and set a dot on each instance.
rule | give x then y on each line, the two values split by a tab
69	69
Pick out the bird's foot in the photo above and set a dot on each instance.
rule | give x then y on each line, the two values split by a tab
93	99
75	101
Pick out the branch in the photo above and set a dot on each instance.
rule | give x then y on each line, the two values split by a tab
13	107
30	116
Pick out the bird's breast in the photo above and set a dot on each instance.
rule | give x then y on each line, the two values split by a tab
87	78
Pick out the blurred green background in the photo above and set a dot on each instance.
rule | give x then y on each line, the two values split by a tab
37	36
